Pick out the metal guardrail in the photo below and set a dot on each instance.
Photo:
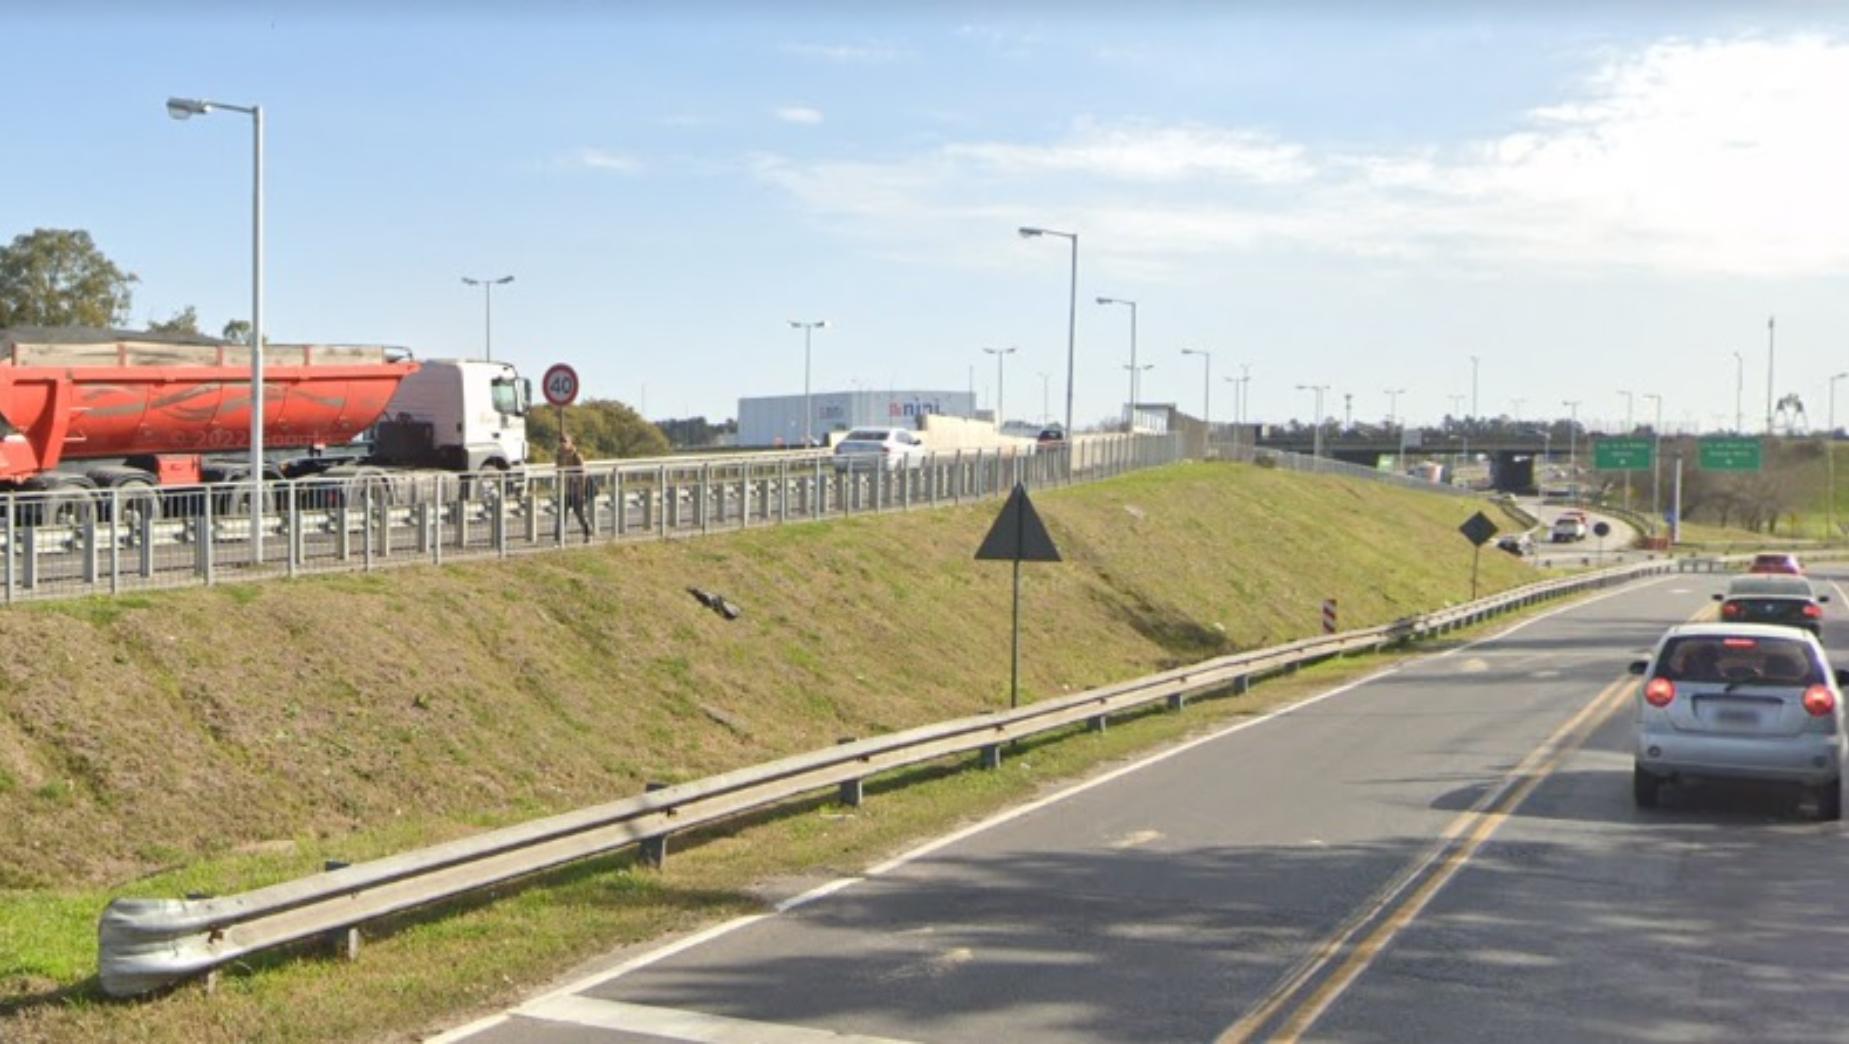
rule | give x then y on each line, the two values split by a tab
72	543
147	944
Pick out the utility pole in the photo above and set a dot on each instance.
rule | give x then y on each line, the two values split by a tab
1771	356
1656	457
1316	438
1348	411
1572	406
1739	390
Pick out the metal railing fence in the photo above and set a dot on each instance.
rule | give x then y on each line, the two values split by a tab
71	542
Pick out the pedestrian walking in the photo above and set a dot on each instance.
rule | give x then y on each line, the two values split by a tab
571	475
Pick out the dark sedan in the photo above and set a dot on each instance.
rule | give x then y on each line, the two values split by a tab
1773	599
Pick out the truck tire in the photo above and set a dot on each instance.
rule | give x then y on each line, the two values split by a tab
56	500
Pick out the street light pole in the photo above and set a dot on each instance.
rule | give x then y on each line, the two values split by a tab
1771	357
1572	406
809	327
1046	393
1739	390
1829	456
1134	370
1630	400
1474	360
1393	413
1656	457
488	286
1072	310
1206	387
185	108
1000	354
1316	438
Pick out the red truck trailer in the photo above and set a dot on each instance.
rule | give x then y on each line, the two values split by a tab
90	408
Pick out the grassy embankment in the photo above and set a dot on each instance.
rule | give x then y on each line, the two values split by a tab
216	740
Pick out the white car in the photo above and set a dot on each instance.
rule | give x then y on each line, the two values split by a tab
1568	528
892	448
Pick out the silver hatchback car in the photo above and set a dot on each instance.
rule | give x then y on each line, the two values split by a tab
1740	701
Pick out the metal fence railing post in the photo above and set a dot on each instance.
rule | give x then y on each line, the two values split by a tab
144	539
783	491
366	526
619	523
115	539
206	536
499	524
12	544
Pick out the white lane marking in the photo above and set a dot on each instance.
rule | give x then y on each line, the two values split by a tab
1135	838
820	891
675	1024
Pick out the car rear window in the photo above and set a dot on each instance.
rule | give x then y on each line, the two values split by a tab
867	435
1772	560
1753	660
1779	587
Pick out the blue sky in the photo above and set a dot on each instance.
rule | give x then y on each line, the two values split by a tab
1358	195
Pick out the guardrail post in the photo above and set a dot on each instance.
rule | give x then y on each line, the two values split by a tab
292	518
1242	684
343	539
1177	701
529	509
744	498
206	536
12	546
463	488
115	540
500	514
666	497
851	792
704	506
87	541
992	756
144	539
560	482
1098	723
29	548
654	850
366	527
956	471
620	524
783	491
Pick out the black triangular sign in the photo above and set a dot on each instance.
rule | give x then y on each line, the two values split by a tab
1018	534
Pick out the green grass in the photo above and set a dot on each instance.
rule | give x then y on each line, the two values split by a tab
213	742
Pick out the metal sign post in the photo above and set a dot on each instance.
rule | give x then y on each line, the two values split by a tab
1017	536
1477	529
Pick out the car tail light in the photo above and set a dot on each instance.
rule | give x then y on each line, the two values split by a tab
1819	700
1813	610
1740	643
1730	610
1661	691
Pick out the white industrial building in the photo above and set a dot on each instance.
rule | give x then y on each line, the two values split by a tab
777	420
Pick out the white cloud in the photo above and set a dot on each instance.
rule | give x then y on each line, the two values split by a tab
1148	153
602	159
1711	157
798	114
845	54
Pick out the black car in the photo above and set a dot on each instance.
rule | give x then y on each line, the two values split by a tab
1773	599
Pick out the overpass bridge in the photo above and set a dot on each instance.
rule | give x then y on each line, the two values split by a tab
1512	455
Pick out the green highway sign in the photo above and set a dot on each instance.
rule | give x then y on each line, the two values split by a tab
1621	455
1722	454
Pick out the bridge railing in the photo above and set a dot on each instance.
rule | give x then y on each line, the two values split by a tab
1288	461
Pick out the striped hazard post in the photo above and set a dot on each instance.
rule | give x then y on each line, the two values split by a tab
1328	616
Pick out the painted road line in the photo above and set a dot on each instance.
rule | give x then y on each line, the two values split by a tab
675	1024
706	935
1420	883
1440	854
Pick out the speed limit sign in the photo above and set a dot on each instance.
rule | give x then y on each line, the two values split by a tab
560	385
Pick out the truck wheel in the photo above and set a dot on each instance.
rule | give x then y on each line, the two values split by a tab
60	501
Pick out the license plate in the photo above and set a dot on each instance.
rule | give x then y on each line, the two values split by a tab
1738	717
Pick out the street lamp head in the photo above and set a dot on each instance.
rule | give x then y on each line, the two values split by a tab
186	108
471	282
1029	233
504	280
1106	300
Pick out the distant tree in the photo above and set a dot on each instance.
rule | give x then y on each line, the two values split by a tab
694	432
238	330
184	321
57	277
603	429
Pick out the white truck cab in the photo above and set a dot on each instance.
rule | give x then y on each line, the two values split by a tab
457	414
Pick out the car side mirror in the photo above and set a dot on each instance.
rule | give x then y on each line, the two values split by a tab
1639	666
1823	598
1720	598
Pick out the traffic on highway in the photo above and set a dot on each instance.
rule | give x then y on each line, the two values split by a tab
1479	842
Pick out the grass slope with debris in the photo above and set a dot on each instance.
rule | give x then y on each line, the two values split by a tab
220	739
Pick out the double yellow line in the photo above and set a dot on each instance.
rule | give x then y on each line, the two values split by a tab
1307	992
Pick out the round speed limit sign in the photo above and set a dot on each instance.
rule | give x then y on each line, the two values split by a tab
560	385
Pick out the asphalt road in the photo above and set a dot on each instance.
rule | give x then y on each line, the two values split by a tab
1447	851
